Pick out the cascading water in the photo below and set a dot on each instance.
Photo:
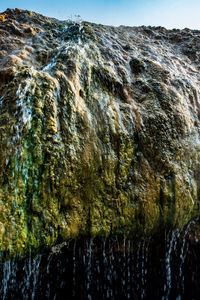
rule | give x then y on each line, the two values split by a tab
87	115
72	29
108	269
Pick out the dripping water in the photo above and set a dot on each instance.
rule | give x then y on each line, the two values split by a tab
109	269
171	248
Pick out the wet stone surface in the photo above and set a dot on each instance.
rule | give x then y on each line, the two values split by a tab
99	130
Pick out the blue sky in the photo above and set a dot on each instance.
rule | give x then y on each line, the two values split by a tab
167	13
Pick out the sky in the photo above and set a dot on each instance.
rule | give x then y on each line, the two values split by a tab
166	13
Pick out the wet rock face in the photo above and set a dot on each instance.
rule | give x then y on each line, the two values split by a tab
99	129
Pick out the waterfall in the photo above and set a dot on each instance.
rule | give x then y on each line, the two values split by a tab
109	268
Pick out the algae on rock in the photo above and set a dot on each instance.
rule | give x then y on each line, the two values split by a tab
99	131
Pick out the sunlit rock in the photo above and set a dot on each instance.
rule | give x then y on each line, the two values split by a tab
99	130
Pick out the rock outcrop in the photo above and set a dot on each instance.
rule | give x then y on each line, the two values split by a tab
99	130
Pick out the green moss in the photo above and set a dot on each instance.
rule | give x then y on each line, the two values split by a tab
83	166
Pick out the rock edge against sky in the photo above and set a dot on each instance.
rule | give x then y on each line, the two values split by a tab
99	130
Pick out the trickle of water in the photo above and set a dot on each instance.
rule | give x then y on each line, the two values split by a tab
35	273
48	289
30	277
106	269
128	270
6	277
183	253
137	268
1	101
53	62
28	271
89	267
74	271
66	45
171	247
23	104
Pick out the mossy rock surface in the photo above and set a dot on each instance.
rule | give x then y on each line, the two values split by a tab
99	130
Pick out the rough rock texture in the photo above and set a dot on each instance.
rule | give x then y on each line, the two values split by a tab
99	130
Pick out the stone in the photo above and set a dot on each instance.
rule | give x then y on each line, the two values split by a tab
99	130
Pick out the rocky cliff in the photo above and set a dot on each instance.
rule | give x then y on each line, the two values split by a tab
99	130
